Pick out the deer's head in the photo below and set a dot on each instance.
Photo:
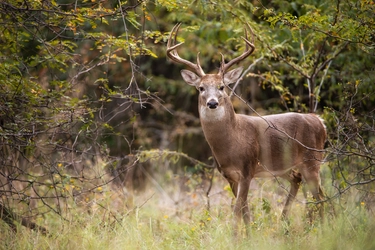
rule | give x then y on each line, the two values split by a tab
211	87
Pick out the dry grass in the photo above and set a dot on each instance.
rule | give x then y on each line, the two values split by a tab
172	217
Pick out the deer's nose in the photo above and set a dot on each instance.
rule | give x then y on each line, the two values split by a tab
212	104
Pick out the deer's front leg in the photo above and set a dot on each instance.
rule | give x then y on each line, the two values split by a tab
241	208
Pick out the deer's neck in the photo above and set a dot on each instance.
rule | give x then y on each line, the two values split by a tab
219	123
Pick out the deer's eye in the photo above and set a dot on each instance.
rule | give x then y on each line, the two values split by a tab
221	87
201	89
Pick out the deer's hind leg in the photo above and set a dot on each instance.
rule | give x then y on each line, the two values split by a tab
311	175
295	180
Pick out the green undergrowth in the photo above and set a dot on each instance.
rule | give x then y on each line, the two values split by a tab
153	227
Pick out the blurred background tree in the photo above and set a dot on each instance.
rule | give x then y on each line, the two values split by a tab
89	103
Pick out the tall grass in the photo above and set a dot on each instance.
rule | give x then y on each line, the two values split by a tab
157	224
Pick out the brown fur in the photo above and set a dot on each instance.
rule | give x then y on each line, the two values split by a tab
284	145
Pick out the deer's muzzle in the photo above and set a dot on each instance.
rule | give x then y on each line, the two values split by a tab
212	104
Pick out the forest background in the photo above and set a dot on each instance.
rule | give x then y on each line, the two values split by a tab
96	121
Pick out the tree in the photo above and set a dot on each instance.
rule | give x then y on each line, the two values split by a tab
52	147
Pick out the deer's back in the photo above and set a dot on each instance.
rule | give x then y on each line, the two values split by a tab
287	140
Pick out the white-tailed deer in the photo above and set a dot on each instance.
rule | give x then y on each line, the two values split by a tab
284	145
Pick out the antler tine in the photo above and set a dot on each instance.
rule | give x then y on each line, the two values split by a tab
173	55
248	51
170	48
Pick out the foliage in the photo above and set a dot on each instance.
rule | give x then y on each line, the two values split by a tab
50	133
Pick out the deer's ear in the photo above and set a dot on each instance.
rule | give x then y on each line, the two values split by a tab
190	78
232	76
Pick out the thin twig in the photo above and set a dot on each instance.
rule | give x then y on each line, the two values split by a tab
245	73
321	84
272	126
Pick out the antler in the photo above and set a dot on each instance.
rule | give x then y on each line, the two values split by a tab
173	55
249	50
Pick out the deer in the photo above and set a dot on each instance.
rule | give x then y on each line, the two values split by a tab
288	145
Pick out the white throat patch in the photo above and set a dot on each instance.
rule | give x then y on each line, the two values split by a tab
212	115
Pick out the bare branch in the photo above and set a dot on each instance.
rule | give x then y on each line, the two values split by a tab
245	73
